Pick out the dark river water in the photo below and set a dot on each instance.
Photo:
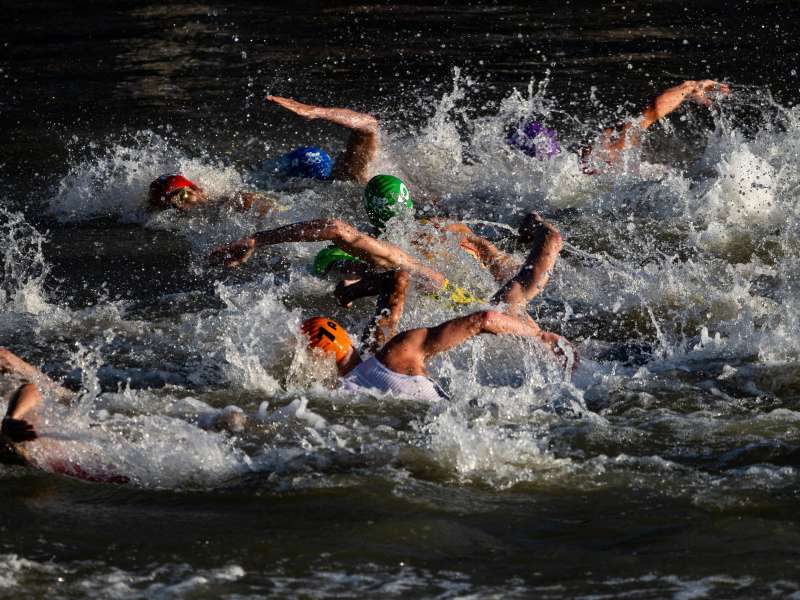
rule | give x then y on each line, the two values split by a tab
666	466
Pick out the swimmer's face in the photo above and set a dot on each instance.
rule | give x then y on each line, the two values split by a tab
185	198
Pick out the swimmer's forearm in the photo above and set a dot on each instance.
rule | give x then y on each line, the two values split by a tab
665	103
318	230
495	323
355	121
703	92
457	331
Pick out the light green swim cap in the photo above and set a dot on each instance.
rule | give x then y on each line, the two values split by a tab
327	256
383	196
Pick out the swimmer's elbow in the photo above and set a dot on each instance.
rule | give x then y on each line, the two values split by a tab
341	231
554	239
369	125
402	278
486	321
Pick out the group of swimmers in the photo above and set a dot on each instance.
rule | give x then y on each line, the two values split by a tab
370	266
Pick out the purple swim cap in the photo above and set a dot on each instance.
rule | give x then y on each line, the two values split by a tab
534	139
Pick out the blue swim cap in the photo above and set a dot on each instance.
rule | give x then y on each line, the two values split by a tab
310	162
534	139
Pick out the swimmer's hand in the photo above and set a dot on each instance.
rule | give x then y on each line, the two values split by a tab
18	430
705	91
564	350
304	110
233	254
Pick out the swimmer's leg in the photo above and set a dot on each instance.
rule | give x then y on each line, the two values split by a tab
362	147
531	279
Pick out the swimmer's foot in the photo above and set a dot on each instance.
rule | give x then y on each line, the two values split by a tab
531	227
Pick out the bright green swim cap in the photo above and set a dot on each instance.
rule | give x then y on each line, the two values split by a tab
328	256
383	196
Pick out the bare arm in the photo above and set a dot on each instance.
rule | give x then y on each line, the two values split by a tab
13	364
16	427
378	253
500	265
531	279
702	92
362	147
407	352
391	302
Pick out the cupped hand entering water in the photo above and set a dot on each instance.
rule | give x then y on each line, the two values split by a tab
706	91
18	430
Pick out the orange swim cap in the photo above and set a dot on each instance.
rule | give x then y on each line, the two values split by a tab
163	186
327	335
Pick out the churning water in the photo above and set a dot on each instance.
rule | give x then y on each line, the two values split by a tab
666	465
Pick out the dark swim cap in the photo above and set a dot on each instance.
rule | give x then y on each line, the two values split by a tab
310	162
534	139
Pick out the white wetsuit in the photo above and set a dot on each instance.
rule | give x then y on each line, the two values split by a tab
372	374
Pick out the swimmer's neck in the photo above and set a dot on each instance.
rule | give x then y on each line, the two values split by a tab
349	363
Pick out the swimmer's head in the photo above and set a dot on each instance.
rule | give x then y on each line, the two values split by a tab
534	139
308	162
384	197
327	335
173	191
326	257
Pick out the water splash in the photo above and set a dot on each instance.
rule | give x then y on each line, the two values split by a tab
24	269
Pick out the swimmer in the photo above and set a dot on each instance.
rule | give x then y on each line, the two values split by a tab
399	366
351	165
22	442
520	283
175	191
536	140
356	253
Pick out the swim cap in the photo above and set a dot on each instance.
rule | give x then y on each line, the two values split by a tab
382	198
164	185
310	162
327	335
534	139
327	256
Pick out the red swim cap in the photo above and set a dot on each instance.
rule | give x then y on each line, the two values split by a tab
164	185
327	335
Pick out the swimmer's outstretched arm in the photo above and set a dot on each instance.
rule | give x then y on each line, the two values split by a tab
379	253
407	352
531	279
362	147
702	92
13	364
